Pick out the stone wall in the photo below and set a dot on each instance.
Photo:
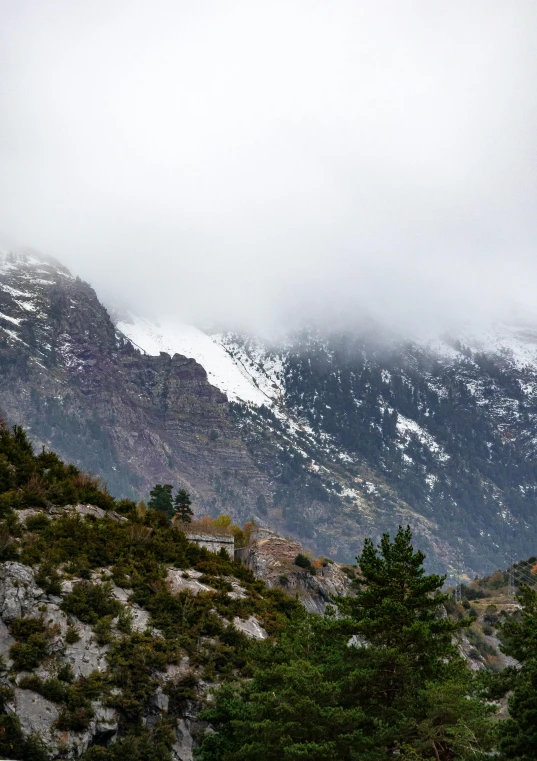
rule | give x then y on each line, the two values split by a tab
214	543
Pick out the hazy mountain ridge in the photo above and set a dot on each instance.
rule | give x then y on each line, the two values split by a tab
328	436
450	430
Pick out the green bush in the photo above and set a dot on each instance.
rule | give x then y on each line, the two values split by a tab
304	562
143	744
76	719
72	635
13	744
51	689
90	602
32	637
48	578
74	696
37	522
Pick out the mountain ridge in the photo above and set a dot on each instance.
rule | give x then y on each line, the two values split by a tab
340	435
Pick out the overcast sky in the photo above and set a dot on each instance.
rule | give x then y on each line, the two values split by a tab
235	160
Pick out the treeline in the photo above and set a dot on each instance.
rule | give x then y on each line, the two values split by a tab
30	480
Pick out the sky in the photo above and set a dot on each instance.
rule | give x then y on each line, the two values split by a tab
252	163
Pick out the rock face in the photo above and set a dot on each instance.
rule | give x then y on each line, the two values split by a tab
36	714
272	558
21	597
19	594
84	390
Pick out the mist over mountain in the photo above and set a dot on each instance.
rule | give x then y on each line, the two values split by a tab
253	165
326	435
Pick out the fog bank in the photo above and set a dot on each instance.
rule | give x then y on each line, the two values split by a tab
254	163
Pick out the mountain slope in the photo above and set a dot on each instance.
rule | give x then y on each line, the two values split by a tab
328	436
83	389
447	428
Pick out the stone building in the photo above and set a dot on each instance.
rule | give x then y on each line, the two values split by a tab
213	542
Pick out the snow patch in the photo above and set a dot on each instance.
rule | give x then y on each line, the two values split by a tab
515	343
175	337
263	366
14	320
407	427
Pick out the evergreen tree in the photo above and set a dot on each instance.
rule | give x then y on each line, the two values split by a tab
182	504
295	706
161	499
381	680
405	658
518	734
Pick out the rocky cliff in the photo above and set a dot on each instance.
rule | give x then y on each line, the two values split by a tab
272	559
72	677
83	389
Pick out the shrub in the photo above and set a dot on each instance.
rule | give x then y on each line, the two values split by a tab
491	616
65	674
48	578
51	689
32	637
14	744
152	744
72	635
304	562
37	522
90	602
8	548
103	630
76	719
180	693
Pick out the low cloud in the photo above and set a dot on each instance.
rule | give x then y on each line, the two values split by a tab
251	163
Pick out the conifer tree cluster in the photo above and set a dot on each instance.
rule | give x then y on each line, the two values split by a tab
380	680
161	499
518	734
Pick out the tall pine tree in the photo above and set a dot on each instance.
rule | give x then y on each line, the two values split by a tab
382	680
182	503
161	499
518	734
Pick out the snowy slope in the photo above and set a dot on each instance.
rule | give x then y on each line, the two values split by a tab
516	343
175	337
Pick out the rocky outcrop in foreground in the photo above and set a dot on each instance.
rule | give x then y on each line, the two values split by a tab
73	648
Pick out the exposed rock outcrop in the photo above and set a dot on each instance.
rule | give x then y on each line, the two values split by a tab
272	558
21	597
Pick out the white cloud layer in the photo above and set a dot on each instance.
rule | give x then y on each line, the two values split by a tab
240	161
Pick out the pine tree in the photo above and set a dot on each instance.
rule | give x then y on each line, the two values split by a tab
405	656
381	680
295	707
182	504
161	499
518	734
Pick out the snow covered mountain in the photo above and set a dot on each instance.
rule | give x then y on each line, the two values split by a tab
446	425
330	436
